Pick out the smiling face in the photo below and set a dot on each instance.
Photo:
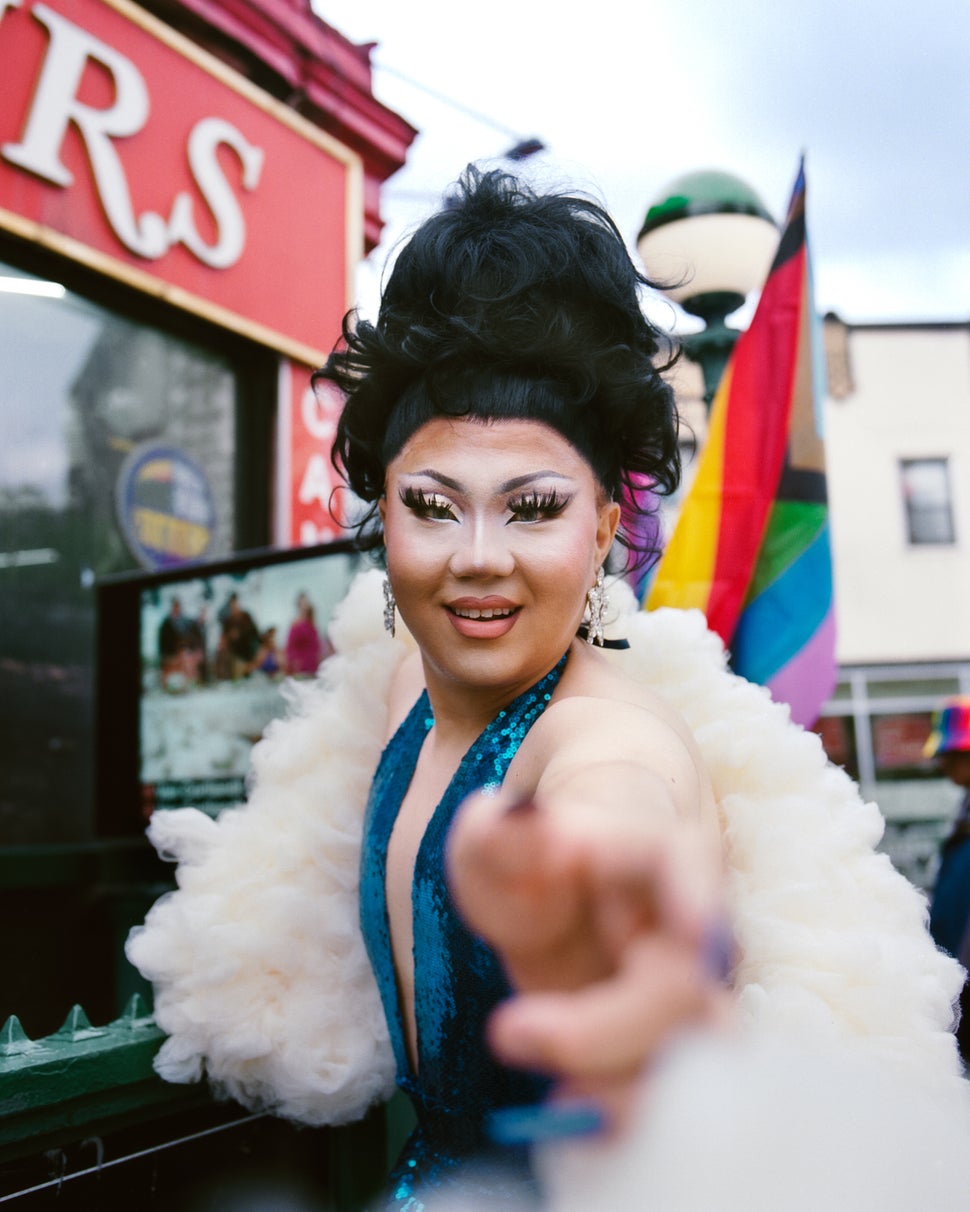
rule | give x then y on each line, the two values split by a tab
494	532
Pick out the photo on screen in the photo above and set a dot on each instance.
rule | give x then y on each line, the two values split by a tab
194	668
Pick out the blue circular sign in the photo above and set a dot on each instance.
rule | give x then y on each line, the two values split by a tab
165	507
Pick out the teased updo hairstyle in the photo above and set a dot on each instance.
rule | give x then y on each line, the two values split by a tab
508	304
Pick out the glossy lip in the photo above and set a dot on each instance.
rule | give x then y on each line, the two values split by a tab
482	629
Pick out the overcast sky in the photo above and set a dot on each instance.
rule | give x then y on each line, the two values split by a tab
628	96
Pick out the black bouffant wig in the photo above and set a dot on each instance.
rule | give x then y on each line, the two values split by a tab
508	304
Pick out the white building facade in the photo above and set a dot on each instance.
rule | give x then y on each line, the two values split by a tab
897	418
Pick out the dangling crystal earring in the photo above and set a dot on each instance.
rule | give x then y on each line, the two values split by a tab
389	607
597	603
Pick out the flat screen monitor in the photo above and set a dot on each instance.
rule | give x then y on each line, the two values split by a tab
192	664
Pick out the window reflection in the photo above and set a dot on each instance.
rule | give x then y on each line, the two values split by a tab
82	387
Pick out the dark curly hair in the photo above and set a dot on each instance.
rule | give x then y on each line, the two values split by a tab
509	304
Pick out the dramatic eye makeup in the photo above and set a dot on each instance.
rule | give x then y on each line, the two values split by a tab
521	497
537	506
426	504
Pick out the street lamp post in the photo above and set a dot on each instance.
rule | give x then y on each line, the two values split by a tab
710	239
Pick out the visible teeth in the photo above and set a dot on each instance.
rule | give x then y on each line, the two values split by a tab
483	614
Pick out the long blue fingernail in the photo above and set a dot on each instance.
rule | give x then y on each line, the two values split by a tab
543	1122
717	951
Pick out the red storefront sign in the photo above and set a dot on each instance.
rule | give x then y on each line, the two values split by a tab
128	148
308	509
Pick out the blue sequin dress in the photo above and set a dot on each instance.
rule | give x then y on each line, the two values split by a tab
457	978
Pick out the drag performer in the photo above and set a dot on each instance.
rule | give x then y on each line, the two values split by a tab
521	851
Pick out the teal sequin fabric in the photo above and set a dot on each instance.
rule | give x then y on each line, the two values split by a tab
458	980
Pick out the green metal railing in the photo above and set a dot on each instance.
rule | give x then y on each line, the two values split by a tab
79	1076
69	1103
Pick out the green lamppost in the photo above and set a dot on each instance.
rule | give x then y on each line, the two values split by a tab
712	239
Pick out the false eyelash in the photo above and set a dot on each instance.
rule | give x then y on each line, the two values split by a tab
539	504
424	505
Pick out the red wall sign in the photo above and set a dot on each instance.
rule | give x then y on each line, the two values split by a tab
125	146
307	510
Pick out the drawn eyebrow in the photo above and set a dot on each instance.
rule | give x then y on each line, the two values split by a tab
431	474
521	481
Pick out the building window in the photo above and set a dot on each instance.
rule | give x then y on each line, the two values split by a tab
926	498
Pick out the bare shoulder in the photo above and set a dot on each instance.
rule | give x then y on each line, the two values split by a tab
602	716
598	694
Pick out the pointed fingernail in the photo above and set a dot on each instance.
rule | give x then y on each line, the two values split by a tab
718	950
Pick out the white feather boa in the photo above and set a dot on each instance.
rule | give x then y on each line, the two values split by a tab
261	977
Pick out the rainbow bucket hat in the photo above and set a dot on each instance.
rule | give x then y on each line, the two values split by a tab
951	728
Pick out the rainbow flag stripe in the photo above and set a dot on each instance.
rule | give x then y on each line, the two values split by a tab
751	546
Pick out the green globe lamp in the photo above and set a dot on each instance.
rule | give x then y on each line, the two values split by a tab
708	240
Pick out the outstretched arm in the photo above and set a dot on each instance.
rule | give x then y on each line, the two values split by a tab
602	891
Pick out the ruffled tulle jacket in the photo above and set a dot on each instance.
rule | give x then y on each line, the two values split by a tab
261	979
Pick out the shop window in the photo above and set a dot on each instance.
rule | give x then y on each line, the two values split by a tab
838	740
897	745
927	500
84	392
